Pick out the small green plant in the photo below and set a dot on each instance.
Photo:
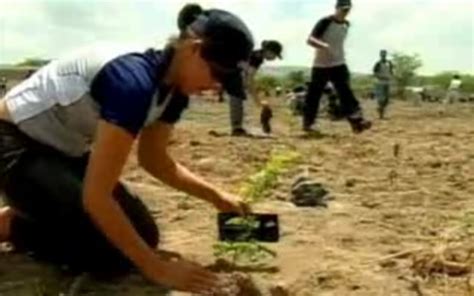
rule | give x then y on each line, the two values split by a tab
468	223
248	252
259	184
254	190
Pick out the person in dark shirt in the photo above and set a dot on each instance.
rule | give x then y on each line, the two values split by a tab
269	51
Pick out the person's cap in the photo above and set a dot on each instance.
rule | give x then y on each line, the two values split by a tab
344	4
228	43
275	47
188	14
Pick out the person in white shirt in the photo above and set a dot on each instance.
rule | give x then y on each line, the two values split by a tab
453	90
328	39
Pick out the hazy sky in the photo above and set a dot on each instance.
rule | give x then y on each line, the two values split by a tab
441	31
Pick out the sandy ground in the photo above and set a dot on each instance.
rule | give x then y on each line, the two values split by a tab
403	207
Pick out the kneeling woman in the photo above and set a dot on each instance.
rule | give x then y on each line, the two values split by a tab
66	204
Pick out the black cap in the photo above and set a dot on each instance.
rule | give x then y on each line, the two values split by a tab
344	4
188	14
274	46
227	44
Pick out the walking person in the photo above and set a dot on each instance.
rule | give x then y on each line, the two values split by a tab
65	203
383	72
328	37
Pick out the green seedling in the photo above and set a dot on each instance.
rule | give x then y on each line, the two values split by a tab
250	252
468	222
259	184
256	188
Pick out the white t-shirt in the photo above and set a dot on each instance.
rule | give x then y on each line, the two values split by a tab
455	84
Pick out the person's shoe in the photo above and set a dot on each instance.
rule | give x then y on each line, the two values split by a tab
310	131
336	117
360	125
240	132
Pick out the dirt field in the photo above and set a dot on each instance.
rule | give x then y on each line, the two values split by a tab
401	222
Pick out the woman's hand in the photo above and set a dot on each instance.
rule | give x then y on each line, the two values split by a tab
154	157
181	275
229	203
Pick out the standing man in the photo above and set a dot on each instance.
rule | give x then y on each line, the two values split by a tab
328	38
383	72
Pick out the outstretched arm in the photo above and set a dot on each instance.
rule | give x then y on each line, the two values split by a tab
154	157
111	149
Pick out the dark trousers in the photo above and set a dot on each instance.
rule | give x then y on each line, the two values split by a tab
45	186
265	119
340	78
237	110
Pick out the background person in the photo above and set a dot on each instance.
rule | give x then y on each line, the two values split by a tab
328	37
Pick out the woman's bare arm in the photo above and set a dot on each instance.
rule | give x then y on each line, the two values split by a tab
113	144
111	149
154	157
4	114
